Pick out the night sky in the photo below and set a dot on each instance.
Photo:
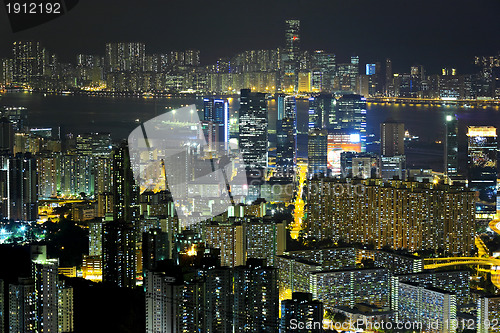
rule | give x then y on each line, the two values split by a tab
435	33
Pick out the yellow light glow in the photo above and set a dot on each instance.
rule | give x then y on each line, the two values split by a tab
192	251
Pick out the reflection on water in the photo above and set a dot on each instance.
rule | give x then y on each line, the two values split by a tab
118	115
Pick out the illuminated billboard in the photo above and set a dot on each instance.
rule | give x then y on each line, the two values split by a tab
339	143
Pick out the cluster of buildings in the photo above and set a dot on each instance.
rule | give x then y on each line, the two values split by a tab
203	268
40	302
128	67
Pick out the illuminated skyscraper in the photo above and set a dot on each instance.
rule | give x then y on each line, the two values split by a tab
22	196
286	132
392	136
317	152
217	111
119	235
350	115
482	167
253	126
321	111
451	146
29	61
291	56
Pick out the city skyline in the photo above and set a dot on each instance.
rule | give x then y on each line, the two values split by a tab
339	23
251	167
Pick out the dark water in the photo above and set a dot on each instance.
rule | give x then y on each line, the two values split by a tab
78	114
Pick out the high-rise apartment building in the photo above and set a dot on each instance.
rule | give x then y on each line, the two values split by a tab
398	214
22	306
29	61
45	276
22	189
125	57
255	306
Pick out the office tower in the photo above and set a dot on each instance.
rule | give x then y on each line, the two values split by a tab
45	276
94	144
488	312
286	132
423	215
217	111
359	165
65	308
350	115
370	69
292	39
230	239
255	297
339	142
482	167
291	55
155	248
17	115
389	78
325	63
301	309
6	136
125	57
22	192
317	152
253	126
451	146
392	138
22	306
434	309
29	61
321	111
393	167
